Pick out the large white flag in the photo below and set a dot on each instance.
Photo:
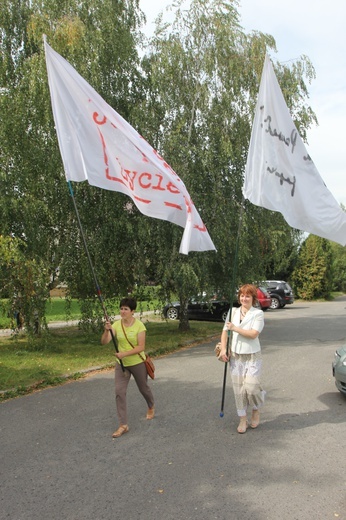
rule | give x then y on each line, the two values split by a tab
280	174
99	146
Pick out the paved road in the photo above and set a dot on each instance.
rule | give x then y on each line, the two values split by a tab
58	460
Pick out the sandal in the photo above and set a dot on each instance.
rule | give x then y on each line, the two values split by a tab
123	428
255	419
150	413
242	427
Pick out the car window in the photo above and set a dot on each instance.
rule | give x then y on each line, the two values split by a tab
271	285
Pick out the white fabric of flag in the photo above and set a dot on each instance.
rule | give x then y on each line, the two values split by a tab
280	174
97	145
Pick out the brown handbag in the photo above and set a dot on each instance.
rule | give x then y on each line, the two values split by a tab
217	351
149	364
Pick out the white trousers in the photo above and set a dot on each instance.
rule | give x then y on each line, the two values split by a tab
245	375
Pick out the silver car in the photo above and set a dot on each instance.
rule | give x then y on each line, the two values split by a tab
339	369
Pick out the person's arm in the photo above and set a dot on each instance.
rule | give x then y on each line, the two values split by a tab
106	336
258	322
250	334
223	339
137	349
223	354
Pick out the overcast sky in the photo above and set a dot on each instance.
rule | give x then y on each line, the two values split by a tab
315	28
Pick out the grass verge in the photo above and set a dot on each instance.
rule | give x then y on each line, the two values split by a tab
68	353
56	310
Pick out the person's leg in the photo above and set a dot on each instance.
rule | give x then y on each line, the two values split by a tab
237	376
121	384
252	385
140	375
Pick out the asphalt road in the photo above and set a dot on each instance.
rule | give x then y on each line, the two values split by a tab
59	461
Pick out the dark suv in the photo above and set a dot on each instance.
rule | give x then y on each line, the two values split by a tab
280	293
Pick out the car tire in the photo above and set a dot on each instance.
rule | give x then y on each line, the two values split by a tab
224	315
275	303
172	313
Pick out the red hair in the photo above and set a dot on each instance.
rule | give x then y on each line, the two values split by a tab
249	289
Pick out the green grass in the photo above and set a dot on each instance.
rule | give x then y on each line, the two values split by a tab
68	352
5	322
56	311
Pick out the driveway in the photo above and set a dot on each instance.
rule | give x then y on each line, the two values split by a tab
58	460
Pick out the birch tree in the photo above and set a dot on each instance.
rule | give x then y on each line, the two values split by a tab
204	74
99	38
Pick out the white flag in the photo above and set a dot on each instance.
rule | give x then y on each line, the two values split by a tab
99	146
280	174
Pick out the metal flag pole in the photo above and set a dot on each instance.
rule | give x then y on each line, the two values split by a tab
98	289
233	290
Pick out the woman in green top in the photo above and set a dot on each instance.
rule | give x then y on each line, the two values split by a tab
130	334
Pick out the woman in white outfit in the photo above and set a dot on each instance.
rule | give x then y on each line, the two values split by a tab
246	324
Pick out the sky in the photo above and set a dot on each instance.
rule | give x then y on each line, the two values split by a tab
314	28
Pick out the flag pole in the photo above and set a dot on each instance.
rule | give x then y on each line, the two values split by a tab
233	289
98	289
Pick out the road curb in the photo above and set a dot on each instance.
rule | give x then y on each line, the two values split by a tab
84	372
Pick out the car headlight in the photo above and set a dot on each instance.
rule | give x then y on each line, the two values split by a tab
337	355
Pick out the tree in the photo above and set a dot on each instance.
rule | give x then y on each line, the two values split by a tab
192	96
313	274
23	282
100	38
338	267
203	73
339	264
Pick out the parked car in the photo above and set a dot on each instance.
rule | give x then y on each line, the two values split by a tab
339	369
281	293
199	309
215	309
264	298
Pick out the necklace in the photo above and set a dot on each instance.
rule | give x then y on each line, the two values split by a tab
242	313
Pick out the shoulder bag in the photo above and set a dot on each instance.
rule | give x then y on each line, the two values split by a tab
149	364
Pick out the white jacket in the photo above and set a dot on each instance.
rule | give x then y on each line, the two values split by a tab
254	319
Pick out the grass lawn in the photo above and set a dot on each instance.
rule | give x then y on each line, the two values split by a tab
56	311
68	352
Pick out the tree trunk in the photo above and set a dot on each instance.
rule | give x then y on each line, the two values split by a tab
184	323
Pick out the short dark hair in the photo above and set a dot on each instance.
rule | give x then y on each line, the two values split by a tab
129	302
